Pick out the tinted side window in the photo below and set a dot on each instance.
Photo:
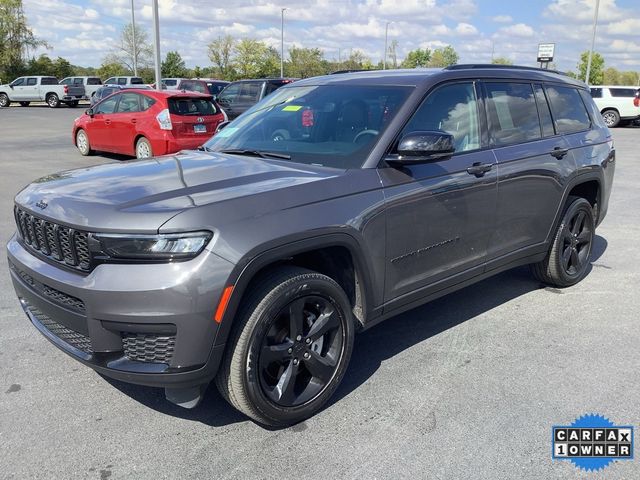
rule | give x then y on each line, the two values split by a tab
147	102
66	81
110	80
122	81
272	87
451	108
596	92
513	116
230	92
250	92
594	113
136	81
49	81
107	106
94	81
32	81
568	109
544	112
129	103
78	81
18	82
622	92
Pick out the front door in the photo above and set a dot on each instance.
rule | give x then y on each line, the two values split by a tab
440	214
99	128
124	123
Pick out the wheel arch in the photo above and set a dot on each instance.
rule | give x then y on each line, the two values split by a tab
337	255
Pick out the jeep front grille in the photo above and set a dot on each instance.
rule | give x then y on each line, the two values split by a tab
60	243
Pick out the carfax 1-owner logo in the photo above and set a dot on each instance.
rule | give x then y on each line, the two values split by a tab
592	442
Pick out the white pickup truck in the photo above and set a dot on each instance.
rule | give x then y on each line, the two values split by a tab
90	84
25	90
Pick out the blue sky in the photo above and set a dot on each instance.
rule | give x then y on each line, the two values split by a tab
84	32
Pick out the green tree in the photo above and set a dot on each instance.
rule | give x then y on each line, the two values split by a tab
254	59
62	68
112	69
417	58
306	62
221	53
173	65
42	65
630	78
357	61
596	75
197	72
443	57
501	61
16	37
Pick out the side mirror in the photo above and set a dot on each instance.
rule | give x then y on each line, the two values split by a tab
424	146
11	86
89	111
222	126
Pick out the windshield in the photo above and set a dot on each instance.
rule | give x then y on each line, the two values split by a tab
330	125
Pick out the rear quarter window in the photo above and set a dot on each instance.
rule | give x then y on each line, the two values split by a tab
191	106
94	81
137	81
623	92
49	81
594	113
569	111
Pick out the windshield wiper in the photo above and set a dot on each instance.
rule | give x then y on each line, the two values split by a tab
256	153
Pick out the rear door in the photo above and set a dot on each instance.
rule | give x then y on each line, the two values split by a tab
194	117
533	162
124	122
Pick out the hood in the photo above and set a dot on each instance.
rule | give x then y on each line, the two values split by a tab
139	196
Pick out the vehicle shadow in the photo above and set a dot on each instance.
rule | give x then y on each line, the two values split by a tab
376	345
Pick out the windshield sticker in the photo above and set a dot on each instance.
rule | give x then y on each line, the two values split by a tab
292	108
227	132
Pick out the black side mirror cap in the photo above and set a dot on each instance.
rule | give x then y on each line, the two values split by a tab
424	146
89	111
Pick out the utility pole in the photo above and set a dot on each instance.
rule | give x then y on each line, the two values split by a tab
282	42
593	41
133	40
386	38
156	44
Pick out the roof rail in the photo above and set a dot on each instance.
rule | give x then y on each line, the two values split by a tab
465	66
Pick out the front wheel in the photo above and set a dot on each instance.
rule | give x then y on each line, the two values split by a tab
24	104
82	142
53	101
289	349
143	148
568	259
4	100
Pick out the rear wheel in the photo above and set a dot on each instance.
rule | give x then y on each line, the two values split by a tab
53	101
568	259
143	148
4	100
611	118
82	142
289	349
24	104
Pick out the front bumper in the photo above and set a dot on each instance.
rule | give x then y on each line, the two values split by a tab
149	324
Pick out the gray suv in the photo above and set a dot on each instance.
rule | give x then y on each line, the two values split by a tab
335	203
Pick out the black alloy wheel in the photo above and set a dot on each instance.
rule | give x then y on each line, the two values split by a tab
300	352
577	239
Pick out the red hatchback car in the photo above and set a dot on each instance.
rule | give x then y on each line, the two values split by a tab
146	123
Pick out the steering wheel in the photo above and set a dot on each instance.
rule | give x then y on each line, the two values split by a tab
365	132
280	135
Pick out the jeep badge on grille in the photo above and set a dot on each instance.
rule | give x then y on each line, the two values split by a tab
42	204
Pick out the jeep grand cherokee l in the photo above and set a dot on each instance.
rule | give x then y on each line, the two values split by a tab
335	203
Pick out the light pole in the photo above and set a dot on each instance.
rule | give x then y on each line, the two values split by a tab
593	41
133	40
386	39
282	42
156	44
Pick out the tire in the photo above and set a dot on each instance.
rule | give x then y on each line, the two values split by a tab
82	143
53	101
567	261
248	377
611	118
4	100
143	148
24	104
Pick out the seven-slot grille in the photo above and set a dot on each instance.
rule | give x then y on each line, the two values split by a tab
57	242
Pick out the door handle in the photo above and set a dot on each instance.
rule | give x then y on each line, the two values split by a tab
559	152
479	169
107	122
133	120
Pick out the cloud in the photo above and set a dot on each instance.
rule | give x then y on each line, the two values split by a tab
502	19
517	30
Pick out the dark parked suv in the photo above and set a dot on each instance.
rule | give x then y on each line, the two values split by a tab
237	97
334	204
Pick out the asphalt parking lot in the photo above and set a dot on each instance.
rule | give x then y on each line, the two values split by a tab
465	387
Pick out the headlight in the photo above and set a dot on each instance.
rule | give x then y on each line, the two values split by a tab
153	247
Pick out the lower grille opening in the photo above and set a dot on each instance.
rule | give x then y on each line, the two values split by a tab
148	347
73	338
